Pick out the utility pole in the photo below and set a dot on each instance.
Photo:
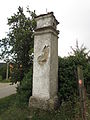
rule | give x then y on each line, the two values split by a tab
82	92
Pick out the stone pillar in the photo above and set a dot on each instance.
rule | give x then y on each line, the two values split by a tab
45	66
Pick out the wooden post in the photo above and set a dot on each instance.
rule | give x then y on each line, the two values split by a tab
82	92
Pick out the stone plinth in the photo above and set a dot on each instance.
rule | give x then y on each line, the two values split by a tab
45	66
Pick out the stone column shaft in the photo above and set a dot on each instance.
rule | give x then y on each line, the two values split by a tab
45	66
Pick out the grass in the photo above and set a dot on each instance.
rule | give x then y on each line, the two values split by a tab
4	81
5	103
11	109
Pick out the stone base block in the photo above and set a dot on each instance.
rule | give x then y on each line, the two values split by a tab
38	103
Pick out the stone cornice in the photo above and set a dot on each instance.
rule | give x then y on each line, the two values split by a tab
46	15
48	29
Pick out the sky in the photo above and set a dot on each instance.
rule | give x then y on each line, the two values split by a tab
73	15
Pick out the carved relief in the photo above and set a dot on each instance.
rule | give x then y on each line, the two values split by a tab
42	59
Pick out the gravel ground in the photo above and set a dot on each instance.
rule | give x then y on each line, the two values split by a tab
7	89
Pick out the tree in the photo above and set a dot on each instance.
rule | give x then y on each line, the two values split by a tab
3	71
67	78
67	74
18	45
25	89
81	56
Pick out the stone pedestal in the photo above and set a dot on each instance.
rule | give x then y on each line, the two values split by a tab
45	66
40	103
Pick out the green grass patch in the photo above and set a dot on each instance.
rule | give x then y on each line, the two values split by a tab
6	102
12	109
5	81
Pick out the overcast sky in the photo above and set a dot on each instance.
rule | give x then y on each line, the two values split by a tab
73	15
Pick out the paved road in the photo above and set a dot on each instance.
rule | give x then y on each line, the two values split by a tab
6	89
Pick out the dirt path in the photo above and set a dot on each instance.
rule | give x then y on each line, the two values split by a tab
6	89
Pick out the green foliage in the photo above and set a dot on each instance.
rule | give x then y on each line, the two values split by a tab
9	110
68	80
81	56
0	78
5	103
15	113
86	72
19	42
3	71
25	88
17	74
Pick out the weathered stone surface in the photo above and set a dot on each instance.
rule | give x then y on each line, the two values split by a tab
42	59
45	20
41	70
39	103
45	67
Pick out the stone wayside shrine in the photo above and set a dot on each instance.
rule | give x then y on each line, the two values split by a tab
45	66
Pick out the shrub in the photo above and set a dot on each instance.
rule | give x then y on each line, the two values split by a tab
0	78
67	78
25	88
3	71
